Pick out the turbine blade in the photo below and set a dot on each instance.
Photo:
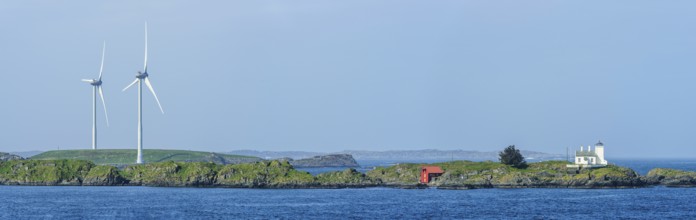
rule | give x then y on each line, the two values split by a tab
149	86
145	68
101	68
87	80
133	83
101	94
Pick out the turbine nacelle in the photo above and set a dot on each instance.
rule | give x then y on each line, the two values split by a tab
141	75
94	82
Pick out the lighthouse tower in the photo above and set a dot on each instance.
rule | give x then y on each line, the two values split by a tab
599	151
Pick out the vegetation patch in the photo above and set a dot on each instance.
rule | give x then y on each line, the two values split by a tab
400	174
44	172
275	173
346	178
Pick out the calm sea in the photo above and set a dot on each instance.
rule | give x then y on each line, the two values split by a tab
27	202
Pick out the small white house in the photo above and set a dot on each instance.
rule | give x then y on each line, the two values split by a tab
589	158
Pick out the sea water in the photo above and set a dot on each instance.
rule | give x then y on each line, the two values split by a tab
67	202
36	202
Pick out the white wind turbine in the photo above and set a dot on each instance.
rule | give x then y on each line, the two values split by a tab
97	86
140	78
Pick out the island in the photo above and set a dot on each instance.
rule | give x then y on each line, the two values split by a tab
282	174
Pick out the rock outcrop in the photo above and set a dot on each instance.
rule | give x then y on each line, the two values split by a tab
103	175
171	174
671	177
264	174
348	178
331	160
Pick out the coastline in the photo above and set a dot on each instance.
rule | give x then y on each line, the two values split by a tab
458	175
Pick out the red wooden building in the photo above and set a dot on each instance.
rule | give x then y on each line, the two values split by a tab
429	172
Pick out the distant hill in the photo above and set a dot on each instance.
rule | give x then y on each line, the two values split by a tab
26	154
127	156
277	154
431	154
8	157
401	155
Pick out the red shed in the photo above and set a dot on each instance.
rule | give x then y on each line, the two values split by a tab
429	172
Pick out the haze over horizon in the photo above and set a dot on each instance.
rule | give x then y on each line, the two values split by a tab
356	75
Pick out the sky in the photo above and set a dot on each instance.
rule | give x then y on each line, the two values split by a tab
354	75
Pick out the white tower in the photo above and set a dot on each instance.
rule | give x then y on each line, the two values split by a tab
599	150
97	87
143	77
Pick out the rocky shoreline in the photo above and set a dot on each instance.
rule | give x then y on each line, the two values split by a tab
282	175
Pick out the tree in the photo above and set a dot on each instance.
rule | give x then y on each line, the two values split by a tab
513	157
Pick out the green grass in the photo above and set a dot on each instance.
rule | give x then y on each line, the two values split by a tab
469	166
127	156
405	173
172	173
101	171
612	171
268	173
347	177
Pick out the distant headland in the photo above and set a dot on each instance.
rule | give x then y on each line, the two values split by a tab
123	157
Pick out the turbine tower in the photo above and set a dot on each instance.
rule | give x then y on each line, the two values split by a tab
140	78
97	86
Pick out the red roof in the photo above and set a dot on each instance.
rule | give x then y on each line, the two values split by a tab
432	169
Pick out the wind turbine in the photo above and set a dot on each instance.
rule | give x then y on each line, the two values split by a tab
97	86
140	78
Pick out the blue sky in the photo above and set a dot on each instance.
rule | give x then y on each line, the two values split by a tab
360	75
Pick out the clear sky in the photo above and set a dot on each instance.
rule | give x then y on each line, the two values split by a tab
360	75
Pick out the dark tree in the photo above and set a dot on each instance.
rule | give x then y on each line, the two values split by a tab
513	157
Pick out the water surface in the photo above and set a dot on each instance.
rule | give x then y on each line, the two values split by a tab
210	203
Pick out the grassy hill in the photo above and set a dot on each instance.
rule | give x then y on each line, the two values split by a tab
127	156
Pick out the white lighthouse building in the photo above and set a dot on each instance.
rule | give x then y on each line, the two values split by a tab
589	157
